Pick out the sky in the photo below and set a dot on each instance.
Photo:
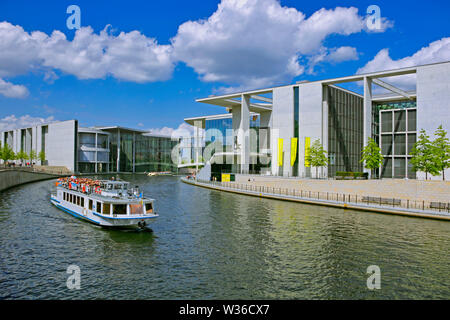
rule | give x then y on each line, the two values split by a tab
142	64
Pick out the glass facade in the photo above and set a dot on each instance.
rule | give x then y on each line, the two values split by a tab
93	151
221	130
154	153
296	127
345	131
397	136
139	152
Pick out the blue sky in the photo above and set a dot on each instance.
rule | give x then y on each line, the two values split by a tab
195	62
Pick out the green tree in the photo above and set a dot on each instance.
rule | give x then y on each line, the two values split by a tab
6	153
424	155
41	157
371	155
22	155
442	150
317	156
32	156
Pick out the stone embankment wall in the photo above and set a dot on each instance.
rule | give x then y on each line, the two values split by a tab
12	178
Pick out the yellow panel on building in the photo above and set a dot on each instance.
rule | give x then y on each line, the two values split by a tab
307	146
226	177
280	152
294	142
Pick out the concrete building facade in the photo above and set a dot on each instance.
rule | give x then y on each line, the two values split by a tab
58	140
342	120
94	149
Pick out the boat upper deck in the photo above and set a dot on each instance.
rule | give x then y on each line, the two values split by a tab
103	190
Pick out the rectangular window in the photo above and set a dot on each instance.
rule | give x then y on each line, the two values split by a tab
400	121
411	141
399	168
119	209
386	121
149	207
386	145
400	144
78	200
99	207
91	204
136	209
82	202
387	168
106	208
412	119
70	197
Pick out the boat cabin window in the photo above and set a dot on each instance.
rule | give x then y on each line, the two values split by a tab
136	209
106	208
78	201
82	202
99	207
70	198
119	209
91	203
149	207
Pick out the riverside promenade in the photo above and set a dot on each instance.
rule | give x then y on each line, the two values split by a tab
368	198
11	177
418	190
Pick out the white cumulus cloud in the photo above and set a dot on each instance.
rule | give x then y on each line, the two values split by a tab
11	90
255	43
128	56
12	122
437	51
183	130
244	43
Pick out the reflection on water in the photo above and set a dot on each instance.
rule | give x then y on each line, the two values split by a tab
212	245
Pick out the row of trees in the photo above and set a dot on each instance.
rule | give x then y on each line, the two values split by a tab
7	154
431	157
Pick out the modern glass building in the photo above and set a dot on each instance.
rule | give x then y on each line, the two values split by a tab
96	149
133	150
292	117
220	143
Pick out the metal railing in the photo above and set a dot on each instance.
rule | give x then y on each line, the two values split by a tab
340	198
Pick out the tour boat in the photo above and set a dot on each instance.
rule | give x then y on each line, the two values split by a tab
107	203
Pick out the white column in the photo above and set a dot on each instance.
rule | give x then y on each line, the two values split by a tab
197	125
244	133
367	114
96	157
134	151
118	150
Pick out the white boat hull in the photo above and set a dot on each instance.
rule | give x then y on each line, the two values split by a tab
135	221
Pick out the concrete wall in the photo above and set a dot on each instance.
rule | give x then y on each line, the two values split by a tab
12	178
60	148
310	121
282	128
433	101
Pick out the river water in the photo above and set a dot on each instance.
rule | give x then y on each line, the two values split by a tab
213	245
